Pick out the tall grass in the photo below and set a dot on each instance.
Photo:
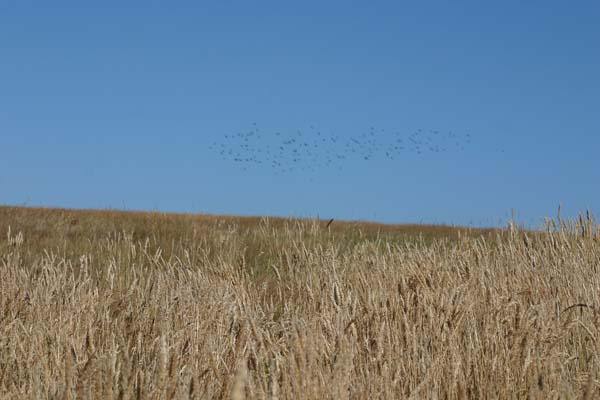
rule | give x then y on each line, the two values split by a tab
110	305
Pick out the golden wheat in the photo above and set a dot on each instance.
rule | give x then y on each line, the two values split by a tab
110	305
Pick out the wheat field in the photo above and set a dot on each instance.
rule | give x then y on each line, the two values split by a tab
102	305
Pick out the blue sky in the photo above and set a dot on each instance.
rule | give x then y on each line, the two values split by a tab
116	105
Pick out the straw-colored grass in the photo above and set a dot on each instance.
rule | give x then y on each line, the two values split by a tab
132	305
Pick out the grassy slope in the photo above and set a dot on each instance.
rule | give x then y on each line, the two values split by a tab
73	232
105	304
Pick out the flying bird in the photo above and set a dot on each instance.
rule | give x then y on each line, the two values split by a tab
315	150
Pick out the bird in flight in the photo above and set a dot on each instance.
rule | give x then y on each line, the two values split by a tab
315	149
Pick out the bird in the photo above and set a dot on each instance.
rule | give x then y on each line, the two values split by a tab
287	151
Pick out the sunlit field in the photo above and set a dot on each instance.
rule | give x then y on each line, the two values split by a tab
106	304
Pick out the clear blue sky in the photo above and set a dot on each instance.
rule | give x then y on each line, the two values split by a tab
117	105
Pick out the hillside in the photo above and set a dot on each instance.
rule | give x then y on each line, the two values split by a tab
72	231
107	304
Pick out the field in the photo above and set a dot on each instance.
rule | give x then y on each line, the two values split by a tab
106	304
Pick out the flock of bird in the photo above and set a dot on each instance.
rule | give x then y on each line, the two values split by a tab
314	149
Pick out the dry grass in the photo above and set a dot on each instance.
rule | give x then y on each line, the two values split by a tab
133	305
